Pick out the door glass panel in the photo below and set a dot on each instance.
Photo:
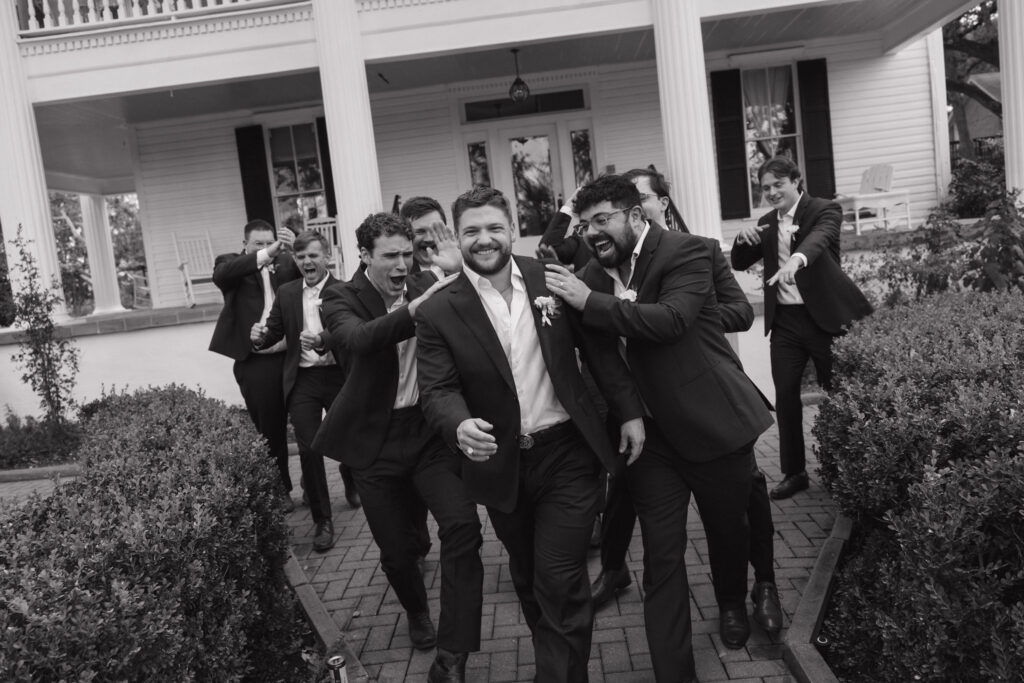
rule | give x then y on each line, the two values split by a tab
583	167
532	178
479	167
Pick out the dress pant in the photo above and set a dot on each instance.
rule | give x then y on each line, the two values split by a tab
660	483
259	377
415	467
314	391
546	537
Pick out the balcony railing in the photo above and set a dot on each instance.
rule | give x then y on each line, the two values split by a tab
51	17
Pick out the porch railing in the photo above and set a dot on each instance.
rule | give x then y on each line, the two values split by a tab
51	17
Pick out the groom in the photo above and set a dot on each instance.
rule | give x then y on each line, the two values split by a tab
500	381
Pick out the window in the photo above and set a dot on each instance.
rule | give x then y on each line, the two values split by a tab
297	178
769	111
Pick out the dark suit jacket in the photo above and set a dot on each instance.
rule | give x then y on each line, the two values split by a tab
286	321
688	375
463	373
735	310
237	276
355	427
830	296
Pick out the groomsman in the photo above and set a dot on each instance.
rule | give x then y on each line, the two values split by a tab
377	429
808	299
248	282
654	288
500	381
312	373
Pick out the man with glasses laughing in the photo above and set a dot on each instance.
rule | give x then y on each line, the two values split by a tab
654	288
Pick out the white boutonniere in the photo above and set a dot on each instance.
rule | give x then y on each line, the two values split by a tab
548	307
271	267
628	295
318	302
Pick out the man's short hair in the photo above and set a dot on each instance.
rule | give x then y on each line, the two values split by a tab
781	167
307	237
476	198
417	207
258	224
657	180
617	189
381	225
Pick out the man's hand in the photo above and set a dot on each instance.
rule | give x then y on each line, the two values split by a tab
750	235
632	438
561	281
436	287
787	273
285	238
309	341
546	251
444	252
475	439
257	334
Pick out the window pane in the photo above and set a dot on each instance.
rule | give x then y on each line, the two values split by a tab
479	168
583	167
768	102
306	158
288	214
531	173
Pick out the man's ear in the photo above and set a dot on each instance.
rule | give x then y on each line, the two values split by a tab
364	255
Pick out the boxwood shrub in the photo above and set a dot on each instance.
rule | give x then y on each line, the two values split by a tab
922	443
162	561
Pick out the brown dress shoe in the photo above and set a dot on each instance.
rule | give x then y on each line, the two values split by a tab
608	584
448	667
323	536
421	630
767	611
794	483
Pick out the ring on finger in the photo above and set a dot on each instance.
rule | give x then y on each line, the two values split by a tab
469	450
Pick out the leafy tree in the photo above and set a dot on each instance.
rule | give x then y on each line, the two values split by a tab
48	360
66	214
971	44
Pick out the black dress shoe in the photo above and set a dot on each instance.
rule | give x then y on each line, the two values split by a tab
323	536
790	485
448	667
351	494
734	627
421	564
767	611
608	583
421	630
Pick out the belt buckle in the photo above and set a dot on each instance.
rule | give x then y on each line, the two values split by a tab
525	441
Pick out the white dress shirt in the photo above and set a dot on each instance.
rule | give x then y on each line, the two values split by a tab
264	259
538	406
311	323
788	294
408	393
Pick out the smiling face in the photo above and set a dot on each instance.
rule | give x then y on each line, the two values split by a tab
611	233
312	262
782	193
422	242
654	206
258	239
388	265
485	237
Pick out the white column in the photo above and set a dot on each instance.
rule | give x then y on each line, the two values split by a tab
686	114
100	247
23	198
1011	69
349	123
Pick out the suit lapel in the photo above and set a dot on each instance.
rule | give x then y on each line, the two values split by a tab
643	260
801	208
467	305
533	279
369	296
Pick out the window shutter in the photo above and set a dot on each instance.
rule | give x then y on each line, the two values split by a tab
816	127
325	160
730	145
252	162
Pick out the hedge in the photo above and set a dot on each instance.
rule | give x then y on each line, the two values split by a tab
922	443
162	561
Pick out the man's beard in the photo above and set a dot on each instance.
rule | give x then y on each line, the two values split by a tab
619	252
501	260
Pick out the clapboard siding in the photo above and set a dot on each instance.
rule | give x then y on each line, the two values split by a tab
189	184
627	118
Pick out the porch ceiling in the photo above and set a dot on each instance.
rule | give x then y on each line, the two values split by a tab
88	139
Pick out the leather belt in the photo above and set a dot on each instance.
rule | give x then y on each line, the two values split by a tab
547	435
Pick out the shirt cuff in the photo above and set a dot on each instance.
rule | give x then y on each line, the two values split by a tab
263	257
802	258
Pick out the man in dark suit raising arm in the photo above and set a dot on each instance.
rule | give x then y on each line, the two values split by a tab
654	288
500	382
808	299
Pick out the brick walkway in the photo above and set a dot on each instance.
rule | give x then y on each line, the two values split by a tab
352	586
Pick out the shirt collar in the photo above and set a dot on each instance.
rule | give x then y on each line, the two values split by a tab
792	210
318	287
614	272
480	282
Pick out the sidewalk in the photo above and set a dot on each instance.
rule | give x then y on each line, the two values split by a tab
355	591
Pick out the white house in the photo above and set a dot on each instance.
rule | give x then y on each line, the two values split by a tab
218	111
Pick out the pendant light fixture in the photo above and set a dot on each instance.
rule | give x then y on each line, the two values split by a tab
518	91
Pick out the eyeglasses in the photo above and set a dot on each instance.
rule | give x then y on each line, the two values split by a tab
644	196
599	221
